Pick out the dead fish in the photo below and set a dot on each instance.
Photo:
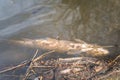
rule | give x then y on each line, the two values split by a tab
64	46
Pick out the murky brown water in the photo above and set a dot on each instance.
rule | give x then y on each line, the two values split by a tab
94	21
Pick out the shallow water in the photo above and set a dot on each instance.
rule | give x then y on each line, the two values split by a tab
96	22
30	21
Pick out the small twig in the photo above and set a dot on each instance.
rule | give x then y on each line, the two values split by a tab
43	66
41	77
34	60
30	67
107	68
111	64
42	56
35	55
105	76
14	67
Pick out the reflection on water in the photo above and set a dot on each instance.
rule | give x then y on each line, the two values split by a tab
18	18
93	21
23	20
32	21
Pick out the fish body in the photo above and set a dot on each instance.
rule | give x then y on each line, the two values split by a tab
64	46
